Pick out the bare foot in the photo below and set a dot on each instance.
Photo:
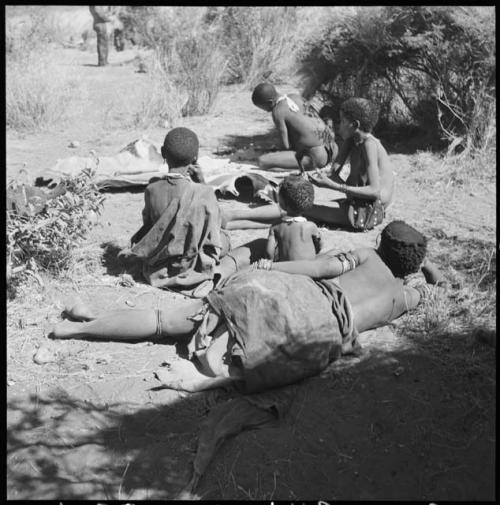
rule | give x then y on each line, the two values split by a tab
64	329
178	375
79	311
183	375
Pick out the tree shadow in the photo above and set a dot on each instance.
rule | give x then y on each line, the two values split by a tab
62	447
259	143
117	265
386	425
139	188
407	139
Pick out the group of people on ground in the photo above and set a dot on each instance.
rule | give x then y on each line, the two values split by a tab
280	308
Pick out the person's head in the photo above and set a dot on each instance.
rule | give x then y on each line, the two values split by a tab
264	96
402	248
357	114
296	195
180	147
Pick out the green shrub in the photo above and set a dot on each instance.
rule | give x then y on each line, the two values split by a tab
438	61
44	241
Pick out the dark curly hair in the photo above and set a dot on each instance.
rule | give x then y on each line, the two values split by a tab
263	93
362	110
402	248
180	147
297	194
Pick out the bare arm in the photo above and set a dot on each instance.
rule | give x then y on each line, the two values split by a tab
369	192
432	274
317	238
321	267
279	121
341	158
271	244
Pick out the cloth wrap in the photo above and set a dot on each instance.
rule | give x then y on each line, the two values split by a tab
181	231
284	327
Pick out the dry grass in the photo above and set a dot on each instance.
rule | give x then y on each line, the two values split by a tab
33	107
160	103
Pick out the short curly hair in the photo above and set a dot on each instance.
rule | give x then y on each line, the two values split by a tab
180	147
362	110
402	248
297	194
263	93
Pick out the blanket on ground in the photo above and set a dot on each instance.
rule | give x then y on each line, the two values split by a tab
181	231
140	161
285	327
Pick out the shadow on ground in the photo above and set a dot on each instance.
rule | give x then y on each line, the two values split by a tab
394	425
117	265
262	143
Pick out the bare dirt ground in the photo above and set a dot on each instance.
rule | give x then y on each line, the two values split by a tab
410	420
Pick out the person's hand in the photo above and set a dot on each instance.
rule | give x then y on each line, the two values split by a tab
196	173
320	179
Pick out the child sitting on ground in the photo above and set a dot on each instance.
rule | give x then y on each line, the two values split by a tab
294	238
181	232
311	139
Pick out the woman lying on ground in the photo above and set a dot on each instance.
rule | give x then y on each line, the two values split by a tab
273	324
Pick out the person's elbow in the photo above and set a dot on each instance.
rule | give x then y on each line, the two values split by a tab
374	192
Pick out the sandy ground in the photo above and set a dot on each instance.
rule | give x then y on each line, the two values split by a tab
90	424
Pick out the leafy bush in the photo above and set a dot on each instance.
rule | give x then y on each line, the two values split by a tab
44	241
439	62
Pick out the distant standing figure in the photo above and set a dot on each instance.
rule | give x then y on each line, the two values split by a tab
102	15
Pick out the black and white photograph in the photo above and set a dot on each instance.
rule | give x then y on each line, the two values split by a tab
250	253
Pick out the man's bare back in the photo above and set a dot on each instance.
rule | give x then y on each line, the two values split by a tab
376	296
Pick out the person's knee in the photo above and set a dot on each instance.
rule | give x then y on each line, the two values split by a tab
307	163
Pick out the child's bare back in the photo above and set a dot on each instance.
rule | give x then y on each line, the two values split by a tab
294	240
303	131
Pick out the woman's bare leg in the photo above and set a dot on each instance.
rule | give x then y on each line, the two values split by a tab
134	324
279	159
263	214
245	224
329	215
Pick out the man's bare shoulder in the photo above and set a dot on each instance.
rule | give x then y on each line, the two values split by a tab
365	253
297	99
281	111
